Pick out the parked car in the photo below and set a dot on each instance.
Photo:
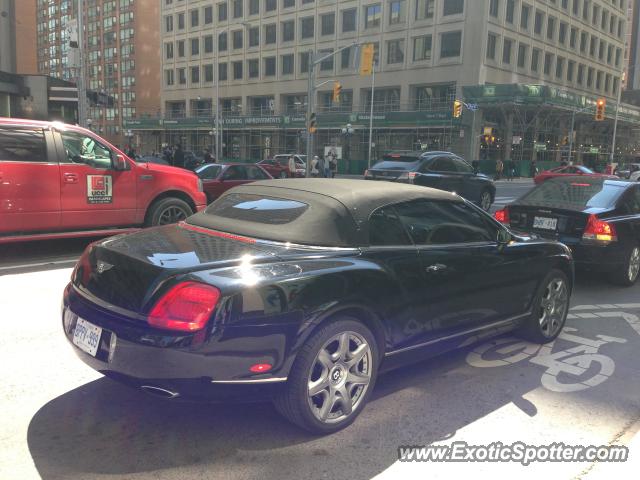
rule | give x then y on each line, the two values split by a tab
441	170
568	171
303	291
217	178
628	171
276	168
60	180
598	218
301	163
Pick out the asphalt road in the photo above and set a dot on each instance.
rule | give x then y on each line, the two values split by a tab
60	419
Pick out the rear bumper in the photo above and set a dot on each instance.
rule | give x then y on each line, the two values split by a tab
206	366
605	258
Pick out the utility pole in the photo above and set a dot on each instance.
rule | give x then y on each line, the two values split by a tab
373	88
310	108
615	122
81	83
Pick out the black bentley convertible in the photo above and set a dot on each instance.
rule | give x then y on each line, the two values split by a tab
303	291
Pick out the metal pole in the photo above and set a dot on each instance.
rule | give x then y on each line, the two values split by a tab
81	84
218	130
373	87
615	122
310	91
573	124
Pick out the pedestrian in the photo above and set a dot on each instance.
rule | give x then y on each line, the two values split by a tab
292	167
321	169
499	169
208	158
476	166
131	153
178	157
334	165
533	169
327	166
315	164
508	167
166	155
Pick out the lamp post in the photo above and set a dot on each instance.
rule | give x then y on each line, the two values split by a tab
347	131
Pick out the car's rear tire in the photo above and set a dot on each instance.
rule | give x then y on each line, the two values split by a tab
627	274
167	211
550	309
337	362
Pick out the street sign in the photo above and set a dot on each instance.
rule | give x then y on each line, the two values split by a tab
594	150
488	130
540	147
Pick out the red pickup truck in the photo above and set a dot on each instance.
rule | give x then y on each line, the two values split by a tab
59	180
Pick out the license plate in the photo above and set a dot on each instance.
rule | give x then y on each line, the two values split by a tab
86	337
545	223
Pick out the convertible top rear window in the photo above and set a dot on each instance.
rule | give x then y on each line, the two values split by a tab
257	209
574	194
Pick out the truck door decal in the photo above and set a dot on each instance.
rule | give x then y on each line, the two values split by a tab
99	189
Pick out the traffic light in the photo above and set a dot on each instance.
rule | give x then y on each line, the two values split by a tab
313	123
337	90
457	109
601	107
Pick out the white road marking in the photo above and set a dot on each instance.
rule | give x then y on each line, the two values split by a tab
41	264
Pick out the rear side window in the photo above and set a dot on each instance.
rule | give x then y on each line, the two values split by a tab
255	173
575	194
442	164
385	229
22	145
441	223
257	209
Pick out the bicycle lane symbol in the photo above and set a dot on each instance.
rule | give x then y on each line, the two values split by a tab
560	366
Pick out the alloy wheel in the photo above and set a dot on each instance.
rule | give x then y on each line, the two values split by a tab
634	264
485	201
553	307
339	377
171	215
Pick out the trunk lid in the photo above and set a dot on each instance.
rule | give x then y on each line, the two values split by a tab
126	270
391	170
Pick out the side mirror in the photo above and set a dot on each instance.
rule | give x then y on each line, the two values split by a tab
503	237
120	163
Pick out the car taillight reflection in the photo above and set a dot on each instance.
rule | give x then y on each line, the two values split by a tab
186	307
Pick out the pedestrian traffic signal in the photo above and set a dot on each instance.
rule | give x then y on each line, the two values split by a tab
457	109
601	107
313	123
337	90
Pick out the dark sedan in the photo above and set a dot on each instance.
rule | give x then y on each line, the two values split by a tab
217	178
599	219
303	291
441	170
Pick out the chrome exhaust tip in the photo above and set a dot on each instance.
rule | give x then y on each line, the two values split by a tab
160	392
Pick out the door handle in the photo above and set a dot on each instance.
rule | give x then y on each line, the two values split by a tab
70	178
437	268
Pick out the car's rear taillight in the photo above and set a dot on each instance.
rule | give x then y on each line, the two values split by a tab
186	307
599	231
502	216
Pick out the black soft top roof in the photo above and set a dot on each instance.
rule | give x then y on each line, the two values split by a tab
338	212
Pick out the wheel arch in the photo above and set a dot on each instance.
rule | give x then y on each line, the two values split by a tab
170	194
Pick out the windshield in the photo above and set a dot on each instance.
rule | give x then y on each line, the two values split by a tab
574	194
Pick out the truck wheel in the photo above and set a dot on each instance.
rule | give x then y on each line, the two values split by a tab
627	274
167	211
332	378
550	309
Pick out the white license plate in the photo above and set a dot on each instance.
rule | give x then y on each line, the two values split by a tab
86	337
545	223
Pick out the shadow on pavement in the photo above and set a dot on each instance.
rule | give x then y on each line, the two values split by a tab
103	428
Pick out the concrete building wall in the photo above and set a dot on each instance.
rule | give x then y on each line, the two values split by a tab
147	55
588	68
25	42
7	36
